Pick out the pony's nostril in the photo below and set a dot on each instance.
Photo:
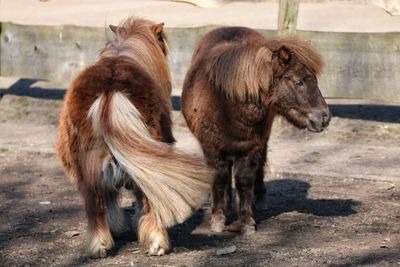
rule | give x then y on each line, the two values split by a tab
313	124
326	119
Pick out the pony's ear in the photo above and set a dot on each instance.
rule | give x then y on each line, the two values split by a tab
284	55
158	29
117	30
113	28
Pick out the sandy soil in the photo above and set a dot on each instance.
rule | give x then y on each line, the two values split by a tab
333	16
313	215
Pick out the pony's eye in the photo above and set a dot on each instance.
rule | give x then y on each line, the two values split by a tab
298	83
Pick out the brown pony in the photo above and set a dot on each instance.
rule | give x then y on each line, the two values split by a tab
115	130
238	80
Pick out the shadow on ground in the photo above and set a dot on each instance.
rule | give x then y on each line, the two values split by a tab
288	195
24	87
283	196
373	112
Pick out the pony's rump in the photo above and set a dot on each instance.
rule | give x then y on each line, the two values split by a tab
174	183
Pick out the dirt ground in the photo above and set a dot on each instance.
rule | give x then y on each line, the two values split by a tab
324	207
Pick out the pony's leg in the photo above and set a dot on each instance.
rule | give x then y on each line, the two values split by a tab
99	235
228	192
152	234
91	187
221	200
113	179
138	194
259	186
245	176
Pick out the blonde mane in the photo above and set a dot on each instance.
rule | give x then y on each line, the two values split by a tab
136	41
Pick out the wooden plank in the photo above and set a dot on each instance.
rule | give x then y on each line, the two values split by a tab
358	65
50	52
287	18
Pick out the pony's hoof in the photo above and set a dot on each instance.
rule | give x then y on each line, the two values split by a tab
217	223
234	227
156	250
218	227
100	253
157	247
98	245
248	230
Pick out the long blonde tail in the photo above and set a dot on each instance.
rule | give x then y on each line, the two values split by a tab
174	183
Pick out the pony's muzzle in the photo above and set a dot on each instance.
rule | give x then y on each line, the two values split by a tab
318	120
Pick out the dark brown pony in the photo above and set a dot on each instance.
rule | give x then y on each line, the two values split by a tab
115	130
238	80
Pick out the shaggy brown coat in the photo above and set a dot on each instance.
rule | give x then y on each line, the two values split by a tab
115	130
238	80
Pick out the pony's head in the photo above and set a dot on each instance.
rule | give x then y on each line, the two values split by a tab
144	43
295	93
154	33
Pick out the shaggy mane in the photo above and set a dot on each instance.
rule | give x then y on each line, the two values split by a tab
240	70
135	41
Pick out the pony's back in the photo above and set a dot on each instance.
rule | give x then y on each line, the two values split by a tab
224	35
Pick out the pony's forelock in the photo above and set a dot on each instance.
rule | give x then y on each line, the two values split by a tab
303	51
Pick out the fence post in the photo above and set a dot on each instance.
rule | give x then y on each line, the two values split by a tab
287	18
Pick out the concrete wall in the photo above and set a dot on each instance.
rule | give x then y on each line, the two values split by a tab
359	65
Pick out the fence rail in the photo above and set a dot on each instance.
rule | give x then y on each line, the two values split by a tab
359	65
